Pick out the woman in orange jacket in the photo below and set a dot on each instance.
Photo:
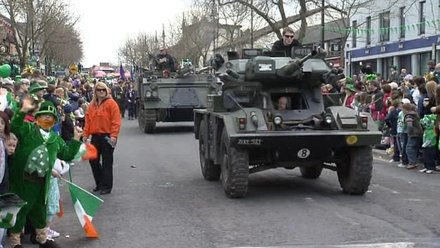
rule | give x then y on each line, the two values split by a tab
102	124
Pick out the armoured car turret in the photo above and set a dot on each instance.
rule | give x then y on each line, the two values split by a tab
271	113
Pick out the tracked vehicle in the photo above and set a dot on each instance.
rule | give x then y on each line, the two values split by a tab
172	99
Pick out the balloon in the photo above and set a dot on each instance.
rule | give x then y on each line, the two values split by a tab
5	70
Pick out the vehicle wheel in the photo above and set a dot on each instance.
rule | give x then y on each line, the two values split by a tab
150	121
141	120
354	173
311	172
210	171
234	169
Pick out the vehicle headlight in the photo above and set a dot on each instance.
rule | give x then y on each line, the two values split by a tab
148	94
278	120
254	118
154	94
328	119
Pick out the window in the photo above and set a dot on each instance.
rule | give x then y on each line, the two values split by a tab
421	23
290	101
354	33
335	47
368	41
402	22
384	28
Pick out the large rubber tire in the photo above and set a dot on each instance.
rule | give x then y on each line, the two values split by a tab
234	169
311	172
141	120
354	173
210	171
150	121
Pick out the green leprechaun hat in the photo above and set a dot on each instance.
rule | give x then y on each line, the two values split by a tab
36	87
47	107
350	87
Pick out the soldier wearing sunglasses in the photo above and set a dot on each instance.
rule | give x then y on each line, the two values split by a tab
286	43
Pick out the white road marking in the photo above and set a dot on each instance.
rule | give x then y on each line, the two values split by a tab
385	188
372	245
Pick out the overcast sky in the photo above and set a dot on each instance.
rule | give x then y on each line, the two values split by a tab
105	24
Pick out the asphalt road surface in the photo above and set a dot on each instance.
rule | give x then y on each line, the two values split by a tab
160	199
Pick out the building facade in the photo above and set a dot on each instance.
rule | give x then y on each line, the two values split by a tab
398	33
8	49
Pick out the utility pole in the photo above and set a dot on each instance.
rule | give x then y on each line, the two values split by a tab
214	25
322	24
163	35
252	24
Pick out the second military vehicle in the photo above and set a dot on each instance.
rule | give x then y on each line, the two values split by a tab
172	99
271	113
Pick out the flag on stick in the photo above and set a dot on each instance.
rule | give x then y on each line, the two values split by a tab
10	205
121	72
85	204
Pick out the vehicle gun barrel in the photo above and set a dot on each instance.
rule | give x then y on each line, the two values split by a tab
291	68
233	74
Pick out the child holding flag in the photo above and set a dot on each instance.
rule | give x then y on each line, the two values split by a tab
53	206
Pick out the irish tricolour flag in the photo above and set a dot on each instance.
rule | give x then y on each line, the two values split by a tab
86	204
10	205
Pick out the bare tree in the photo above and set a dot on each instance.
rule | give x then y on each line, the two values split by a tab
138	50
273	12
30	19
64	47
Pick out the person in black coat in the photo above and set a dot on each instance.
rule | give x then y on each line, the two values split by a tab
67	125
286	43
391	122
130	97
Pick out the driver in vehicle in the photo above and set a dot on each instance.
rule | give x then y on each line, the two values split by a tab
282	103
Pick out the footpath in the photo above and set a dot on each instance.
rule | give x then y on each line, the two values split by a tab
381	154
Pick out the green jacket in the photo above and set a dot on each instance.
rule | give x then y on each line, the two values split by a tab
30	138
429	134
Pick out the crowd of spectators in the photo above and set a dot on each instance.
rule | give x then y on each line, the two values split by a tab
406	109
58	107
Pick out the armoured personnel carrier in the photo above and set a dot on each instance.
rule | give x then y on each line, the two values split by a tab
172	99
271	113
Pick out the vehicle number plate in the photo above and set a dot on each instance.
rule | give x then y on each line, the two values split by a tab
254	142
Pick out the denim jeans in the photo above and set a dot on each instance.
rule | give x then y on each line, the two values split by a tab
412	149
403	142
396	155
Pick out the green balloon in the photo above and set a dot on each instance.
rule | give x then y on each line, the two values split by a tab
5	70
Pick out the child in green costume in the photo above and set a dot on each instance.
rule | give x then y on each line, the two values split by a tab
39	146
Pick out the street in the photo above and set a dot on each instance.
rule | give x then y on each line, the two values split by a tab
160	199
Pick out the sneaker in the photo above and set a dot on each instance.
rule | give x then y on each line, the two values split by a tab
52	233
423	170
429	171
393	161
49	244
401	165
411	166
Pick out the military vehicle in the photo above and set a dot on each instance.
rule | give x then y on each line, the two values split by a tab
172	99
244	131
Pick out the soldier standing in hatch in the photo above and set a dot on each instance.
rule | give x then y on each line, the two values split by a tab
165	63
286	43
